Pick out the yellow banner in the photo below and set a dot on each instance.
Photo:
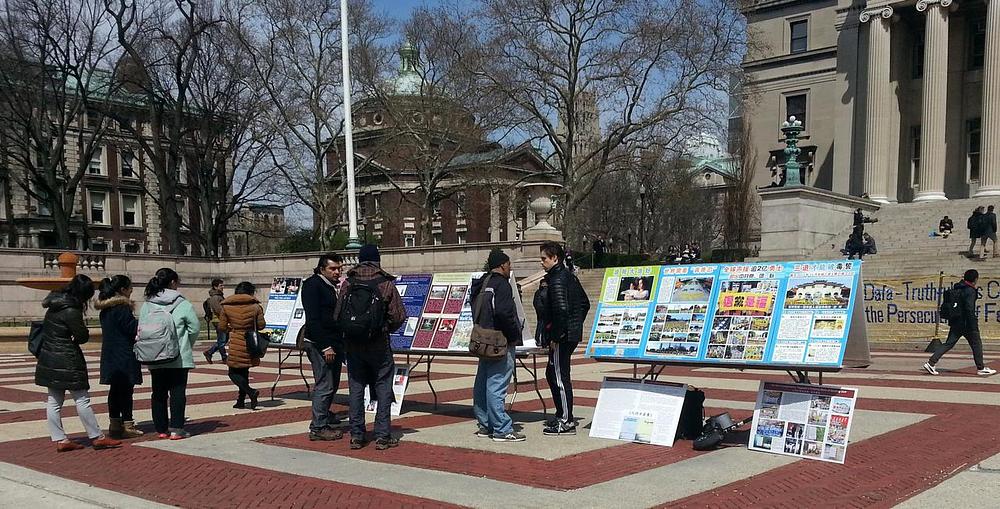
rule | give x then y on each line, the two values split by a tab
906	309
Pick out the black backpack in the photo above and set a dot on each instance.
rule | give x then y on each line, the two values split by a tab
206	306
692	419
362	312
949	304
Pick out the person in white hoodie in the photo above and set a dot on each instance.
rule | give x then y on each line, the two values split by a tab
169	380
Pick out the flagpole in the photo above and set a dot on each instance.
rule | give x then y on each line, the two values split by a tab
352	200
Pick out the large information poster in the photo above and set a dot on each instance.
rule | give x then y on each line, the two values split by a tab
631	410
447	316
785	314
283	305
803	420
413	288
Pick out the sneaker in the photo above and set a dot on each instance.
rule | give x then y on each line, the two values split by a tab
326	434
179	434
986	372
386	443
208	357
162	435
560	429
357	443
482	432
509	437
928	367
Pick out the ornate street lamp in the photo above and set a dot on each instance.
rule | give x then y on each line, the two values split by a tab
792	128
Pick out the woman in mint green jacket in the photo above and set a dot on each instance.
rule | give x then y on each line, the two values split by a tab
169	380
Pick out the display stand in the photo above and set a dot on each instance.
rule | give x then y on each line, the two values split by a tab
427	357
284	353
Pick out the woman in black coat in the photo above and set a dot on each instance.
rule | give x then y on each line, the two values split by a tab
119	368
61	366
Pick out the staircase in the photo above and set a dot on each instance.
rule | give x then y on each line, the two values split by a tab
905	247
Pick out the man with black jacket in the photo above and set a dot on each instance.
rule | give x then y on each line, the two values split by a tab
498	312
990	230
323	343
562	306
964	324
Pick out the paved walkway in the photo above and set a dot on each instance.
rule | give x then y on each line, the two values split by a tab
917	441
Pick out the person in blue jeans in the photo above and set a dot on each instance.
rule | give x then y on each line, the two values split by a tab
213	309
498	312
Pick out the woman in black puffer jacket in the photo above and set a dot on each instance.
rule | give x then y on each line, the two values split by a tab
119	368
61	366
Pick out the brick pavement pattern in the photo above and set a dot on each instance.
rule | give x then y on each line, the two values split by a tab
892	465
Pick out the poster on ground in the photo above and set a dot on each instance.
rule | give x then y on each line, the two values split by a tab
399	380
632	410
803	420
785	314
413	288
283	304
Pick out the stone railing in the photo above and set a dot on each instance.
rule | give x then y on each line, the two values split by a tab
85	261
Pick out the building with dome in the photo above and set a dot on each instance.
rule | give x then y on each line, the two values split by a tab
426	172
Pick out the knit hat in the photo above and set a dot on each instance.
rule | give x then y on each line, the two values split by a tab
369	253
496	259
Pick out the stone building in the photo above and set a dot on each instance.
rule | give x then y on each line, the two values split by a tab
259	229
898	98
411	139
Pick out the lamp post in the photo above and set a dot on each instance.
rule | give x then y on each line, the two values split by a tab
642	218
352	199
792	128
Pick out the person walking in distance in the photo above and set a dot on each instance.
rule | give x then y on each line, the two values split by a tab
561	305
212	308
963	322
975	225
61	366
119	368
497	312
169	379
241	314
368	309
323	343
990	230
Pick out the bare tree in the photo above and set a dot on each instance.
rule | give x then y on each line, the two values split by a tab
647	71
161	41
52	82
740	211
294	49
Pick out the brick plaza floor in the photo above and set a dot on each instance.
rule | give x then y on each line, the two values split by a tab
917	441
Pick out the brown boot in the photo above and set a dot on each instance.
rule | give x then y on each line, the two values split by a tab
130	430
116	430
67	445
103	442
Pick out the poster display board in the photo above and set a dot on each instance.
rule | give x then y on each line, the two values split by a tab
645	412
283	315
803	420
446	320
782	314
413	288
399	380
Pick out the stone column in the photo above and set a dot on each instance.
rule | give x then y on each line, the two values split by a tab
877	104
989	165
934	100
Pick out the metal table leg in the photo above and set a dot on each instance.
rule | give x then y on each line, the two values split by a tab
303	375
282	357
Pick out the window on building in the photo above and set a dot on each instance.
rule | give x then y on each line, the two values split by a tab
185	210
96	165
182	172
409	241
974	134
127	158
187	249
795	106
98	245
437	239
132	246
461	237
917	62
362	207
94	120
799	36
3	201
460	203
125	124
98	207
977	43
131	214
377	203
42	204
915	156
436	209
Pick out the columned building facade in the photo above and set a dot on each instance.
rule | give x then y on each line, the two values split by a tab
900	99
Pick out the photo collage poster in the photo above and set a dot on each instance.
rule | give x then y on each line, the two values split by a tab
413	288
400	377
283	306
447	305
803	420
788	314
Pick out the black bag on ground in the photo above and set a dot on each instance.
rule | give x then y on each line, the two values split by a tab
949	304
692	420
35	337
362	313
257	343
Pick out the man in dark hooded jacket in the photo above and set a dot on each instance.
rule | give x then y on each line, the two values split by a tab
963	322
369	357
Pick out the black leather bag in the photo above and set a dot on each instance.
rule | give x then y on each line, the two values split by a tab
257	343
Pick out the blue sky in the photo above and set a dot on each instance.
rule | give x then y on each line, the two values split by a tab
400	9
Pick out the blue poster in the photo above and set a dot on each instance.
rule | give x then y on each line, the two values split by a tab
767	313
414	289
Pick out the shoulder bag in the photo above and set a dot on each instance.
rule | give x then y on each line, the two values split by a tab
489	344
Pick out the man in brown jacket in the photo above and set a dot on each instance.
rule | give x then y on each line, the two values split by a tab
369	356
